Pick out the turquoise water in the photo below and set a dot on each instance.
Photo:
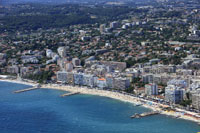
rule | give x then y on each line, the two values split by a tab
43	111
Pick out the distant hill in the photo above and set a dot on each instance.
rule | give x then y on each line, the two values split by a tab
33	1
3	2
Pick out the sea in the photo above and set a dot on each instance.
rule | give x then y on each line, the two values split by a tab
44	111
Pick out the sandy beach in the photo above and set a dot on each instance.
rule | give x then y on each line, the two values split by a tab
115	95
19	82
125	98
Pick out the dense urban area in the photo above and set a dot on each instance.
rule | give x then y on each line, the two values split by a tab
150	51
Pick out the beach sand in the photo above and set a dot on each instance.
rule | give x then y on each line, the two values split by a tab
19	82
123	97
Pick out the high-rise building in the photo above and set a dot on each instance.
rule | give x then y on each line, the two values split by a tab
110	82
70	78
88	80
147	78
151	89
121	83
62	76
174	94
78	79
196	100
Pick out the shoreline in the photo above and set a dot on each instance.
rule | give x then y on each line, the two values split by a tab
18	82
121	97
113	95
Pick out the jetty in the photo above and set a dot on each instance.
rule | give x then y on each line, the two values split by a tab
70	94
23	90
28	89
136	115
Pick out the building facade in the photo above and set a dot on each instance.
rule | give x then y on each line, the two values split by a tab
62	76
151	89
173	94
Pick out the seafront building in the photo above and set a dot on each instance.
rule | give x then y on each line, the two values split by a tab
196	99
70	78
110	81
101	83
121	83
62	77
78	79
174	94
151	89
88	80
83	79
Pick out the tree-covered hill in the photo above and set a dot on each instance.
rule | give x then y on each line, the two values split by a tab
34	16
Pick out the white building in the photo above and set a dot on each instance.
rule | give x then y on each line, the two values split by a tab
49	53
102	28
174	94
62	51
151	89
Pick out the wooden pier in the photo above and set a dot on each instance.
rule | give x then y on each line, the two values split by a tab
23	90
69	94
145	114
